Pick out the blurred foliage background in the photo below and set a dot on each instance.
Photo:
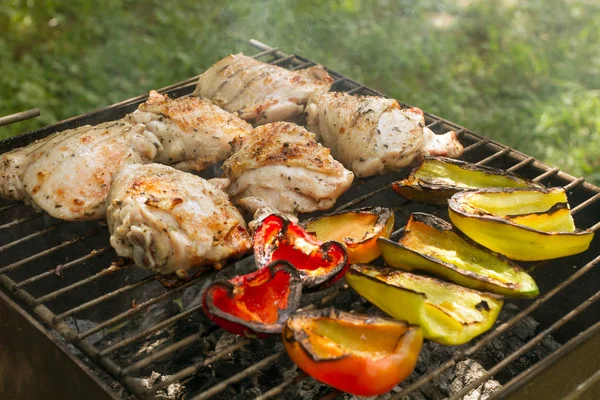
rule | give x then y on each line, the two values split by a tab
526	73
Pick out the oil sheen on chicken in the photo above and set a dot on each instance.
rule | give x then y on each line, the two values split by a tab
193	133
167	220
69	175
373	135
280	165
258	92
14	163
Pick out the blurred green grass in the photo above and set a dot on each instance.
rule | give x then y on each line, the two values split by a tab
524	73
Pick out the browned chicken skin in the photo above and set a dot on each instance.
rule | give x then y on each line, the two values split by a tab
258	92
167	220
193	133
280	165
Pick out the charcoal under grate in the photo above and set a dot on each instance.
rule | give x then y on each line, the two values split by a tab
141	340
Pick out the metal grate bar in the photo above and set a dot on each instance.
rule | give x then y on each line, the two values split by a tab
595	227
521	164
303	65
356	89
63	267
23	220
547	174
497	331
20	116
474	146
105	297
61	291
283	386
530	345
147	332
282	60
136	310
192	369
31	236
433	124
494	156
238	377
586	203
266	52
574	184
167	350
11	205
67	243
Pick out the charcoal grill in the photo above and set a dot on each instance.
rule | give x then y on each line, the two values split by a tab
65	298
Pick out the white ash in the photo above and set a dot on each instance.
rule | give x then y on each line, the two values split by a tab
174	391
467	372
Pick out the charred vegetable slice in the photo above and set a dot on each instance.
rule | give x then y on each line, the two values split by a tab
256	304
448	314
357	229
319	264
358	354
432	245
522	224
438	178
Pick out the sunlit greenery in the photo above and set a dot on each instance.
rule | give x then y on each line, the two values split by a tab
526	73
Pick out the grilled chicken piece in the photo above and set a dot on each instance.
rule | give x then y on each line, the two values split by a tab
167	220
280	165
14	163
373	135
258	92
193	133
69	176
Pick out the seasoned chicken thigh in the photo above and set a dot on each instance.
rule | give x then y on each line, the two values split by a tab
70	178
193	133
373	135
280	165
14	163
260	92
167	220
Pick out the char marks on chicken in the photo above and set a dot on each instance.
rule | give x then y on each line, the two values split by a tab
193	133
258	92
373	135
280	165
167	220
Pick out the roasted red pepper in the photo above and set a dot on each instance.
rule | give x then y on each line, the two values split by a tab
359	354
319	264
255	304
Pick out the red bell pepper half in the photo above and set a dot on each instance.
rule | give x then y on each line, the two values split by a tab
319	264
256	304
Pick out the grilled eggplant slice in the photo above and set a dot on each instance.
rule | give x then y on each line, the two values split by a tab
448	314
433	245
357	229
358	354
522	224
438	178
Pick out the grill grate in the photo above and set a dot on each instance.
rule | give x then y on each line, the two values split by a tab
74	273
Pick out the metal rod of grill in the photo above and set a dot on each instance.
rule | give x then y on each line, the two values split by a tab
530	344
123	374
20	116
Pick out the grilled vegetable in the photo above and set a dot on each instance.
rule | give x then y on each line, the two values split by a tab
522	224
438	178
319	264
448	314
256	304
432	245
358	354
357	229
